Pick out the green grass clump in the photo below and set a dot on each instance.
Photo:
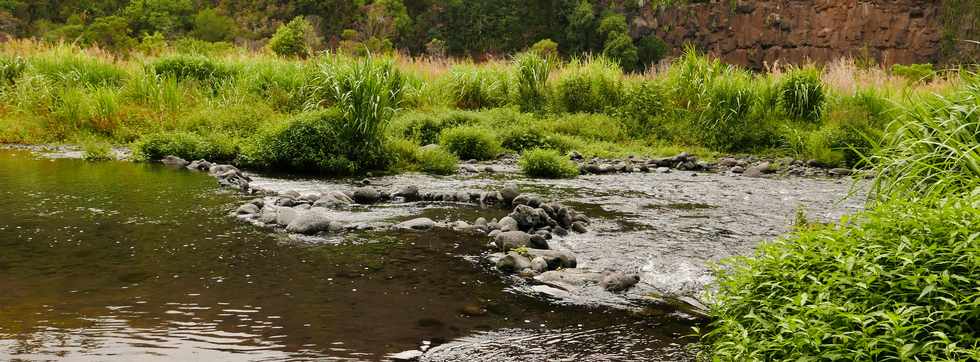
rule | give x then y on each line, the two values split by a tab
66	67
425	127
532	80
192	67
914	72
475	87
471	142
436	160
644	106
932	150
11	68
189	146
801	94
896	283
592	86
97	151
546	163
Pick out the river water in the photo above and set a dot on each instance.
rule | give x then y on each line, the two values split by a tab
120	261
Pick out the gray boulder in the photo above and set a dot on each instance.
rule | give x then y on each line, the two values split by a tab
268	215
513	262
309	223
409	193
617	281
333	199
174	161
538	264
199	165
507	240
508	223
579	227
509	192
758	170
419	224
367	195
528	218
555	258
247	209
285	215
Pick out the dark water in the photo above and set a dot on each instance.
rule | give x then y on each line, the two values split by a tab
120	262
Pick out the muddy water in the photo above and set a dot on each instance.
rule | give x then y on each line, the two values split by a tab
120	262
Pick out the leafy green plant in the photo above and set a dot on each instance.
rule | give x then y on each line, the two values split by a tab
291	39
11	68
546	163
645	102
436	160
591	85
308	142
532	80
191	67
476	88
97	151
471	142
914	72
67	67
895	283
190	146
801	94
546	48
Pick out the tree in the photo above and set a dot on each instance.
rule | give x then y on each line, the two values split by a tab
111	32
166	16
580	27
612	24
619	47
651	49
546	48
209	25
292	39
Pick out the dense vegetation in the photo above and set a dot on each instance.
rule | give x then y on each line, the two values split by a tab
898	282
371	114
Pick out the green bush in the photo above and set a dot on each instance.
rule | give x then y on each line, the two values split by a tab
524	138
547	164
592	85
191	67
620	48
436	160
532	81
310	142
291	39
645	102
212	26
97	151
546	48
185	145
801	94
896	283
599	127
70	68
281	83
471	142
425	128
914	72
10	69
651	50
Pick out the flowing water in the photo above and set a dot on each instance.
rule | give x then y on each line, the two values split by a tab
120	261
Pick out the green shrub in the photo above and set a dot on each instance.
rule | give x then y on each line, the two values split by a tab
546	48
645	103
588	126
425	128
191	67
310	142
210	25
436	160
291	39
896	283
592	85
532	81
801	94
185	145
471	142
281	83
193	46
524	138
547	164
620	48
651	50
477	87
914	72
97	151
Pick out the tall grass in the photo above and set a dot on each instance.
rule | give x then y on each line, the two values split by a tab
532	75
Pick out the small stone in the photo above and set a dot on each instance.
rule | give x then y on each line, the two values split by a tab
538	264
418	224
513	262
579	227
508	224
366	195
311	223
247	209
509	192
617	281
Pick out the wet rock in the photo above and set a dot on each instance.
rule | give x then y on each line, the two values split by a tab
480	221
568	279
473	310
528	218
574	156
310	198
199	165
285	201
419	224
220	169
234	179
333	199
285	215
543	233
268	215
174	161
409	193
247	209
758	170
513	262
509	192
302	207
555	258
412	355
579	227
537	242
617	281
469	168
538	264
258	202
309	223
728	162
491	198
493	233
508	223
489	169
737	169
560	231
507	240
366	195
841	171
663	169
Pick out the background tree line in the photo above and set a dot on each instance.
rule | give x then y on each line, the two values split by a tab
474	28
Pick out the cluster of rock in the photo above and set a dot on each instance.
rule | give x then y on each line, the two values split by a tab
598	166
752	166
227	175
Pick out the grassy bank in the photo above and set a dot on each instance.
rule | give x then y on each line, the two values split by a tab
899	282
236	105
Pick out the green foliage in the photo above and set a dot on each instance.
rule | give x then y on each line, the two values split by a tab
612	24
932	150
191	67
471	142
311	142
475	87
189	146
619	47
283	84
801	94
546	48
97	151
532	81
11	68
165	16
914	72
592	85
425	128
546	163
71	68
896	283
650	50
109	32
581	25
291	39
436	160
722	121
212	26
598	127
200	47
646	102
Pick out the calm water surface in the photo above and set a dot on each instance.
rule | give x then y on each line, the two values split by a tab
128	262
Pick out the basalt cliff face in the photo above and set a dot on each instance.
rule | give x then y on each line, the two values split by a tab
757	33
